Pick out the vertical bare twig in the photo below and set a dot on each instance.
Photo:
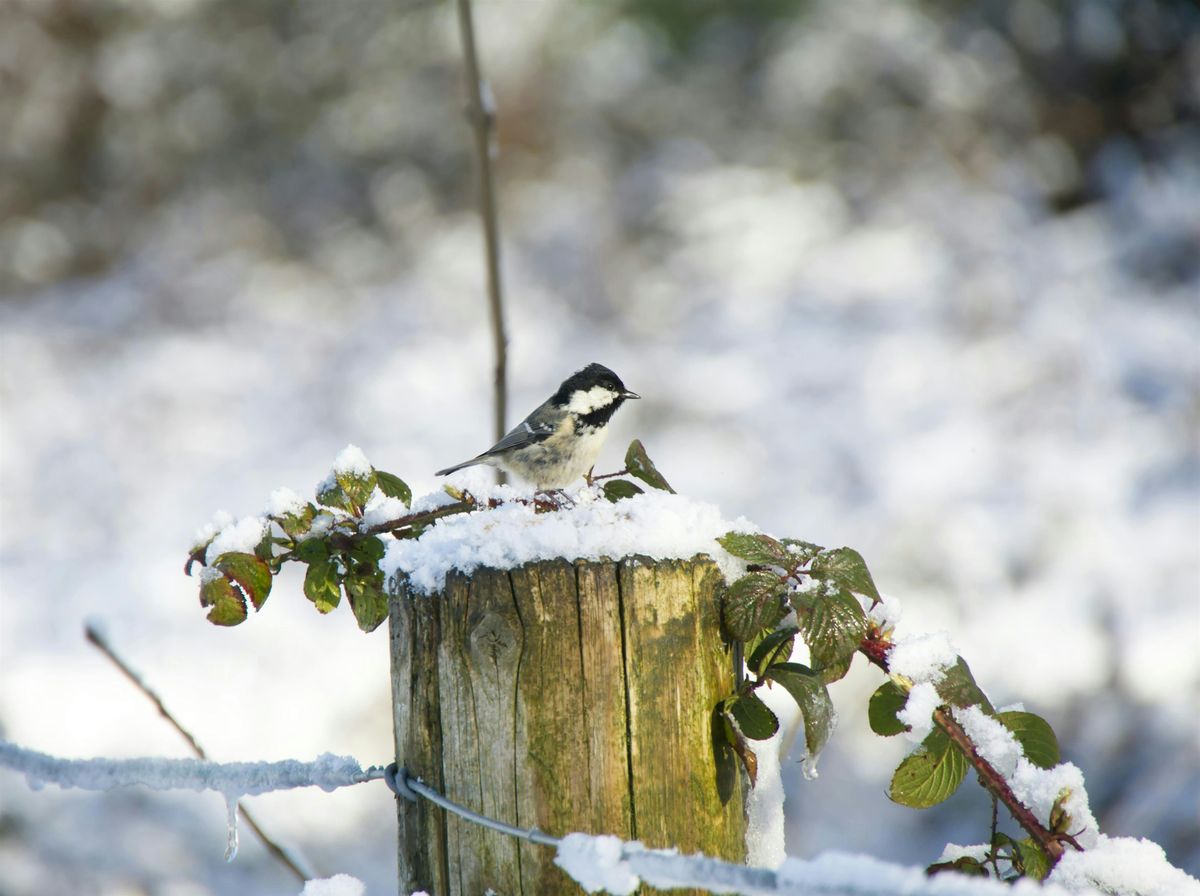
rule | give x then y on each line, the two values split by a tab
101	643
482	114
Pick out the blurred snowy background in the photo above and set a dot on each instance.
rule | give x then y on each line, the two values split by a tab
922	278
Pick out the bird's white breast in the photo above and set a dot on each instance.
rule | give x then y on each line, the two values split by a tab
559	460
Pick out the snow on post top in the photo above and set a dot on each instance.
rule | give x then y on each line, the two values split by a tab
656	524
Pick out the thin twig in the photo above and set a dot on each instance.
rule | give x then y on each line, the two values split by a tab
482	115
101	643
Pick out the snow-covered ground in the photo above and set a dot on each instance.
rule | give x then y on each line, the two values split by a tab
995	405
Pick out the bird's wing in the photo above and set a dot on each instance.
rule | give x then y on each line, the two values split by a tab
537	427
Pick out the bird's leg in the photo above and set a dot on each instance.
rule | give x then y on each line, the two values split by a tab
547	500
587	477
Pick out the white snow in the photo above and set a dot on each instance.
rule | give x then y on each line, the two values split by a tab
382	509
1035	787
655	524
338	885
596	863
351	460
284	501
917	713
1123	866
953	852
847	874
242	536
327	771
886	613
922	657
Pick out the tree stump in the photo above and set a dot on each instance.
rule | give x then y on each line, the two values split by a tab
562	696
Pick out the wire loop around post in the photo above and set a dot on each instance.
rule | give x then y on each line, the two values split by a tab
397	782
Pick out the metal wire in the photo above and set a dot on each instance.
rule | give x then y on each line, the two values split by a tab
408	787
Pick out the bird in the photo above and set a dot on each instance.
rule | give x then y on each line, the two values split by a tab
559	442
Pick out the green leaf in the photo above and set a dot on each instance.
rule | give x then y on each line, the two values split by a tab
967	865
958	687
227	602
833	626
296	524
724	757
1035	736
930	774
393	487
845	568
331	494
759	549
311	550
322	585
367	551
889	698
755	720
638	463
752	604
1030	860
775	647
811	695
252	575
358	488
367	599
616	489
802	551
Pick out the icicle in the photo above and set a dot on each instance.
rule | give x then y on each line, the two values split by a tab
231	842
808	767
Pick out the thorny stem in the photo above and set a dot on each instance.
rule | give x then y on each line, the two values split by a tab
875	648
592	479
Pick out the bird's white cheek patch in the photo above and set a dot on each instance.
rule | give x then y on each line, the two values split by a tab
592	400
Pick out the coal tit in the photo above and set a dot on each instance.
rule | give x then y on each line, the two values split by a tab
559	441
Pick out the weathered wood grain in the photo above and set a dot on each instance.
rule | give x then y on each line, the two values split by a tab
563	696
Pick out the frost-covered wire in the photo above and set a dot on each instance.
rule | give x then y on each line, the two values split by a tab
328	772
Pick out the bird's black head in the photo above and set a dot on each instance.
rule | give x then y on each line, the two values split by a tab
594	394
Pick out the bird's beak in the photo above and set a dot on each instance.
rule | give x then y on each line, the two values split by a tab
628	394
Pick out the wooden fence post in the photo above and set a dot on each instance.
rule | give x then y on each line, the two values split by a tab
562	696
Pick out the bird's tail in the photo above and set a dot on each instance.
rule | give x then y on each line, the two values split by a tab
466	463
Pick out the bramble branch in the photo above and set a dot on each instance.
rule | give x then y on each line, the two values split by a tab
875	648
